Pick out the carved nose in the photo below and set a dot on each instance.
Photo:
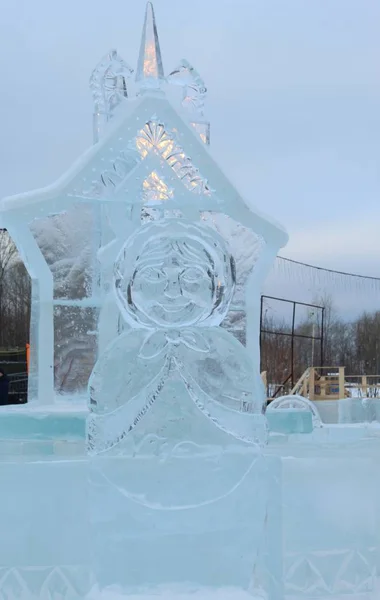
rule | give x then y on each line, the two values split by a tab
173	289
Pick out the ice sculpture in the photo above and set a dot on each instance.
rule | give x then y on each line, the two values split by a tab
176	421
150	72
194	96
148	163
108	83
295	402
174	283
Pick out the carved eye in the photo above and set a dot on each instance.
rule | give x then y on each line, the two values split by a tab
152	274
191	275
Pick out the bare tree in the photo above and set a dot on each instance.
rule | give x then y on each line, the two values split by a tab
367	339
14	296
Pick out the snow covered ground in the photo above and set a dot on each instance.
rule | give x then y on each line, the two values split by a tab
173	593
170	593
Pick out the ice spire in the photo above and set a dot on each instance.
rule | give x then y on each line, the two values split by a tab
150	72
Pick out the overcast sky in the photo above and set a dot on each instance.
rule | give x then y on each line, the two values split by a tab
294	102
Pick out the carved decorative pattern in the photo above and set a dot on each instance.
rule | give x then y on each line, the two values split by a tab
319	574
154	136
194	88
45	583
155	190
108	82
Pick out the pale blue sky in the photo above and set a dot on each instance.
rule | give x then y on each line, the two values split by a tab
294	101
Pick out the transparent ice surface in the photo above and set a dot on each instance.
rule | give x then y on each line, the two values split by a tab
203	130
325	498
180	395
194	88
295	402
156	137
108	84
150	72
194	92
174	282
330	523
125	266
290	421
66	242
70	232
175	273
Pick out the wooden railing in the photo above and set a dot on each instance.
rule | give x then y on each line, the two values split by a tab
331	383
302	386
326	383
363	386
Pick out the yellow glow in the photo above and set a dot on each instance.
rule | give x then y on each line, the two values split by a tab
150	60
155	188
153	136
200	131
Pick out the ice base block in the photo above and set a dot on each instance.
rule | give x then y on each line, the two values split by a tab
213	541
290	421
29	430
349	411
44	547
324	514
330	523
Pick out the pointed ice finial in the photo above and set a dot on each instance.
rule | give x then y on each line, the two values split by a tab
150	72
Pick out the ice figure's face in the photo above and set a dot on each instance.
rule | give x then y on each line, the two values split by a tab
182	276
178	288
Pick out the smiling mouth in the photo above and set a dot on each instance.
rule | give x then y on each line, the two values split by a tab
175	308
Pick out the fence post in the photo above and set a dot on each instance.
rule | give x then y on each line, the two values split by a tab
364	386
312	384
27	357
341	382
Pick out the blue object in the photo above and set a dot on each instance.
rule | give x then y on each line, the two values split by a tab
42	426
290	421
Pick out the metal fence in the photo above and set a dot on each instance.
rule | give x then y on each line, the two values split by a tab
14	364
18	388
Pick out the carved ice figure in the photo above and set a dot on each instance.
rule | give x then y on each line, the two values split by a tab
108	83
176	419
149	160
174	281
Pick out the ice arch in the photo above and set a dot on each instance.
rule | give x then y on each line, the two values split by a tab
296	402
40	381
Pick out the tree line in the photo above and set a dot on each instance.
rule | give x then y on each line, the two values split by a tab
352	344
15	296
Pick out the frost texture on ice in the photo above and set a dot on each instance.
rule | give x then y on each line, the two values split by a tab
66	242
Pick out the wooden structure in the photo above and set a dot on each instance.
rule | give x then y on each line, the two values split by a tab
332	383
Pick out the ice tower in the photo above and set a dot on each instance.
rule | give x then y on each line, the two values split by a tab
147	267
150	160
180	490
